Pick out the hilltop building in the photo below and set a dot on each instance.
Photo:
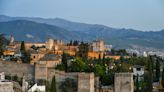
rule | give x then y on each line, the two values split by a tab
42	66
98	46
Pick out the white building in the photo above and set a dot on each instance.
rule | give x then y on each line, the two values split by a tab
137	69
5	86
35	87
2	76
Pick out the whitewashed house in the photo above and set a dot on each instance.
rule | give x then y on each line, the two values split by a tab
5	85
35	87
138	69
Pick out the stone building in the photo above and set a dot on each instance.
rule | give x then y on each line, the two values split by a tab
5	86
41	71
98	46
124	82
86	82
42	66
54	44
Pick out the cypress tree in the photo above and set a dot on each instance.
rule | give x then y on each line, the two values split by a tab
22	46
64	61
83	50
150	78
163	77
25	55
157	69
53	85
137	84
3	43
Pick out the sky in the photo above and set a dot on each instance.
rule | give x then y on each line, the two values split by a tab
145	15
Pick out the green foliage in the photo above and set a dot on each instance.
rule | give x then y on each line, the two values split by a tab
25	57
22	46
69	85
3	43
163	77
41	82
8	77
157	70
99	70
137	84
107	78
138	61
118	52
25	54
53	85
71	43
64	61
33	47
15	78
83	50
75	43
150	74
101	67
78	65
122	68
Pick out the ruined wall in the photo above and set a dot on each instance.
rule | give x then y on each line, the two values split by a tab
124	82
6	87
86	82
40	72
13	68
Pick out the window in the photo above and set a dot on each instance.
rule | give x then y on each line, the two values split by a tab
138	69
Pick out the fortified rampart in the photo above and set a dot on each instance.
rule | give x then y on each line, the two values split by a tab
12	68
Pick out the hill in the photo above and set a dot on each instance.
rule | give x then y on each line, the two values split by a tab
24	30
123	38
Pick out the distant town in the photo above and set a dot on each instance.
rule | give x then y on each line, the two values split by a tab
78	66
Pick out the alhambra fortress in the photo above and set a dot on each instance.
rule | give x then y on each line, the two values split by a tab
44	59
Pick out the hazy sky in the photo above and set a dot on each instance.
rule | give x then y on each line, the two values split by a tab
138	14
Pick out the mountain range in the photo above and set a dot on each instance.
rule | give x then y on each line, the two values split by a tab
35	29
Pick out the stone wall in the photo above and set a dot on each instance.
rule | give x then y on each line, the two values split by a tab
6	87
86	82
124	82
13	68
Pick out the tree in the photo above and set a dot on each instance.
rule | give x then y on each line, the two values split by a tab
150	78
157	69
75	43
99	70
53	85
33	47
83	50
78	65
163	77
137	84
64	61
3	43
69	85
22	46
25	54
71	42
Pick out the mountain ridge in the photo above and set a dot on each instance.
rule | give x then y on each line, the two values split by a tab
81	31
